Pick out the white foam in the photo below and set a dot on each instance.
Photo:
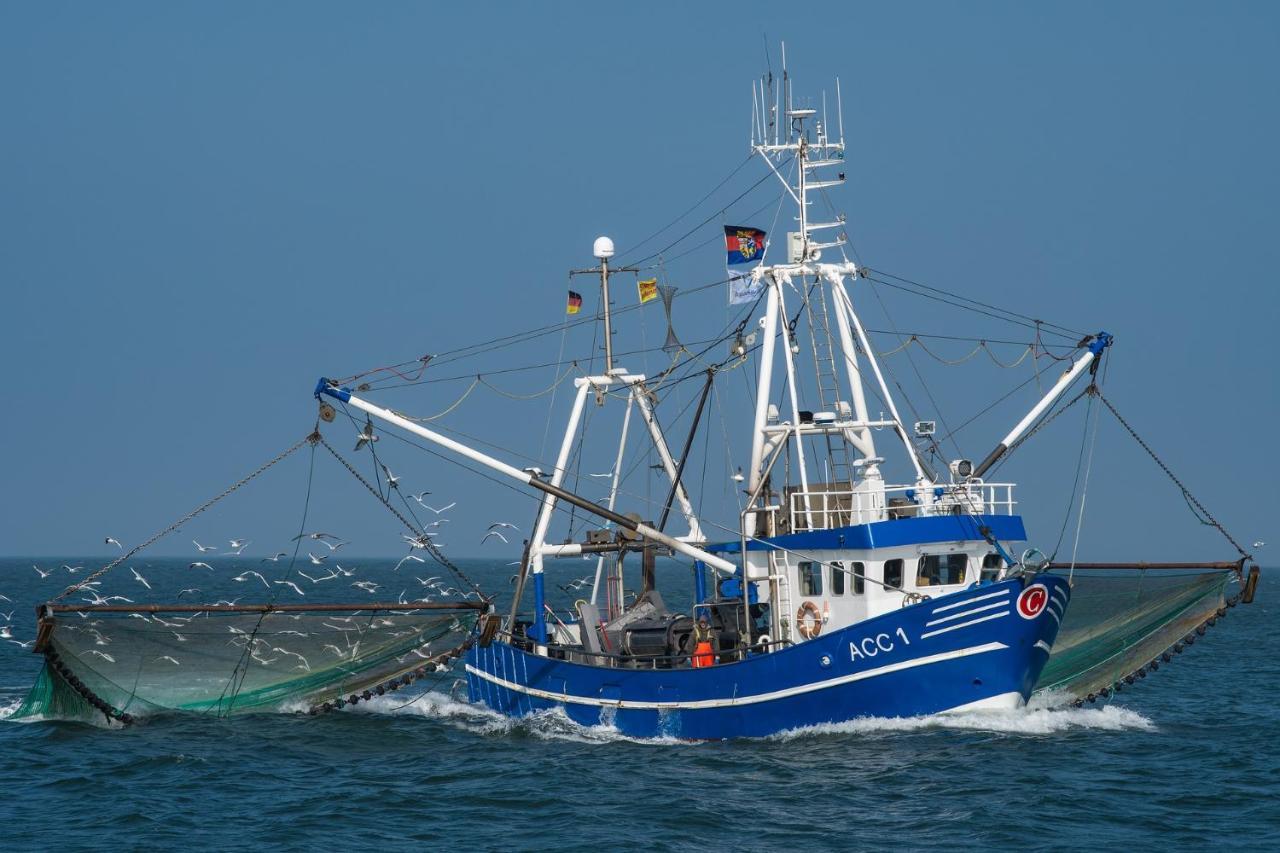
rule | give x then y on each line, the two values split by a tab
1028	721
552	724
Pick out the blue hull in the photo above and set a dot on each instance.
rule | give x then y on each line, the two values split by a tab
974	647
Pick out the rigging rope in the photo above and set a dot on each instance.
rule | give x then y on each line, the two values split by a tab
420	536
172	527
1186	493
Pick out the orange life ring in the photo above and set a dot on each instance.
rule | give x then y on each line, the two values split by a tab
809	620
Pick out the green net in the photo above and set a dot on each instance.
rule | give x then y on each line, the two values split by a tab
1119	621
225	663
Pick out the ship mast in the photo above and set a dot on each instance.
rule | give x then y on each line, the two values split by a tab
816	157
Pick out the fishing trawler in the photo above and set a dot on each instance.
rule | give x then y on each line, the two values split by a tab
838	593
843	595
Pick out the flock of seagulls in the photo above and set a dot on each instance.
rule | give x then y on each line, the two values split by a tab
322	568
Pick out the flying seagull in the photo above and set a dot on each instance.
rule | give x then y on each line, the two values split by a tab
243	576
393	482
238	545
504	524
366	435
274	559
441	509
316	561
199	565
316	535
406	559
112	541
292	586
204	549
41	572
492	533
139	578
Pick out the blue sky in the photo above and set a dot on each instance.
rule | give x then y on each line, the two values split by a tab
208	206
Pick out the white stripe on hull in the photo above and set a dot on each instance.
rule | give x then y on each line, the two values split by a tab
737	701
959	625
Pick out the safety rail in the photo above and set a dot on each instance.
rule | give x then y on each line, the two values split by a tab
831	508
640	661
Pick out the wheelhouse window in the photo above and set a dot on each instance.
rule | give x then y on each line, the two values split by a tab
893	573
838	582
859	578
941	569
991	566
810	578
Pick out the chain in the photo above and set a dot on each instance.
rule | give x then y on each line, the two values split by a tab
420	536
1163	467
172	527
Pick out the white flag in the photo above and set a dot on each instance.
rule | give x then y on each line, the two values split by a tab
743	286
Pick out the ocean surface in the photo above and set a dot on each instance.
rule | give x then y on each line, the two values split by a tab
1188	758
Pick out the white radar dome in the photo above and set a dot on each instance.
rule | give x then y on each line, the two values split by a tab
603	248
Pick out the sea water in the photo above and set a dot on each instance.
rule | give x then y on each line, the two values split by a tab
1187	758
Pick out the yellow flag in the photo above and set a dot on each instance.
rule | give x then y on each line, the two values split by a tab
648	289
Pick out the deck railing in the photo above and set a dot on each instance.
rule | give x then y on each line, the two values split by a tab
825	509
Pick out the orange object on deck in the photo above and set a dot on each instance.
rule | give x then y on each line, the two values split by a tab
702	655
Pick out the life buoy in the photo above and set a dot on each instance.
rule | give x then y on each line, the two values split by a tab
809	620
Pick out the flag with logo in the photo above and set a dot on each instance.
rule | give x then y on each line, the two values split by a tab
744	245
648	288
575	303
743	286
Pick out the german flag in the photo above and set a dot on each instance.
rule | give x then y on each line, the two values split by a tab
648	288
575	303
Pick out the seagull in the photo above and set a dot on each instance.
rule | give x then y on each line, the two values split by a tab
199	565
72	569
419	496
171	660
204	549
492	533
738	476
238	545
274	559
316	535
41	572
245	576
441	509
346	573
189	589
292	585
6	633
428	582
22	645
418	542
316	561
601	476
327	577
366	435
1259	544
112	541
139	578
178	637
393	482
334	546
406	559
368	586
504	524
102	655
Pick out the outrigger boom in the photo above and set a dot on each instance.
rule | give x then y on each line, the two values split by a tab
344	395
